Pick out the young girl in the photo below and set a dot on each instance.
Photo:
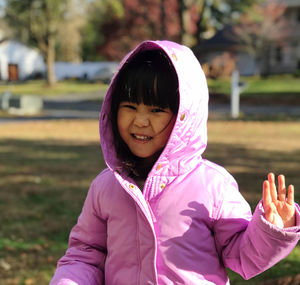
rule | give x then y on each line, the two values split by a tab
160	213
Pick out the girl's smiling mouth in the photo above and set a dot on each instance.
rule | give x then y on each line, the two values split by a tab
142	138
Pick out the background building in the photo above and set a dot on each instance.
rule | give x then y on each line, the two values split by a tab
19	62
269	46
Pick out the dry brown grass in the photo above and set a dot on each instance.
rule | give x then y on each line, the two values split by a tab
273	136
64	130
270	136
249	150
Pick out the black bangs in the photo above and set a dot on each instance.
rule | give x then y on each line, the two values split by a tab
148	78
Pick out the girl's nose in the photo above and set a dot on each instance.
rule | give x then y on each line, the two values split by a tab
141	120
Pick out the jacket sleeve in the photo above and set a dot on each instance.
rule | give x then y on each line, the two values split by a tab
250	244
84	260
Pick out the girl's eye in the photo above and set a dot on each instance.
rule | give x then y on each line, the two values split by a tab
157	110
129	106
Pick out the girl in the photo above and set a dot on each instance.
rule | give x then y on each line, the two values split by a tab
160	213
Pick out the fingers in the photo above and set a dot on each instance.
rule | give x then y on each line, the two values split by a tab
290	197
267	200
283	193
266	194
281	188
278	210
273	192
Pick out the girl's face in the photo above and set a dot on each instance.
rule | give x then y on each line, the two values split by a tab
145	129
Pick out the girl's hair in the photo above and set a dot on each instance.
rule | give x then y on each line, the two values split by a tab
149	78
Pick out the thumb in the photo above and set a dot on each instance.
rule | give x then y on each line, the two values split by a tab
268	213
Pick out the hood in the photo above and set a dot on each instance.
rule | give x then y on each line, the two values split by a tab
188	139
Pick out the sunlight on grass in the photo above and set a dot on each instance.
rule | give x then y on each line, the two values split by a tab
273	86
275	136
75	131
39	87
219	85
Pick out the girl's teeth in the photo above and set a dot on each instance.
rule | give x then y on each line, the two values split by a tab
142	137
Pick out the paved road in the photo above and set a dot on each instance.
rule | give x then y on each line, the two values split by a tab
74	106
70	106
257	110
87	106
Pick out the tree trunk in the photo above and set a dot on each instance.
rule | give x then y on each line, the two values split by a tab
162	19
199	22
50	59
181	8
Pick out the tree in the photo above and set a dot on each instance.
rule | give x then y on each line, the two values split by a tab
37	23
104	22
69	37
202	18
115	27
259	28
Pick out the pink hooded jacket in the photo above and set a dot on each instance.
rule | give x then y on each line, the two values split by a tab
187	224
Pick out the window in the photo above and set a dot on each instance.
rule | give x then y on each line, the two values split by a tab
278	54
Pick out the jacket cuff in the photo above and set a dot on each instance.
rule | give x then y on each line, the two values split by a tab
291	234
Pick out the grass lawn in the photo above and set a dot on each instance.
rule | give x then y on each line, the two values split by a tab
47	167
274	89
39	87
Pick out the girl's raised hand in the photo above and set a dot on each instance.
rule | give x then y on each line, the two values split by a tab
279	205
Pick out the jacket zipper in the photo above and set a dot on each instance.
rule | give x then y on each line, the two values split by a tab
155	241
139	204
151	213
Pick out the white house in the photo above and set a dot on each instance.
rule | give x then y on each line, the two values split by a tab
18	61
85	70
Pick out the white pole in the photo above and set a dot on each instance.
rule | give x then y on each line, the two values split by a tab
235	94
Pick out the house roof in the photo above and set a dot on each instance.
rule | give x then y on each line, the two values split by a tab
225	39
292	3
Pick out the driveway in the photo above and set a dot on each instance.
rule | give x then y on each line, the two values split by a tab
223	110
